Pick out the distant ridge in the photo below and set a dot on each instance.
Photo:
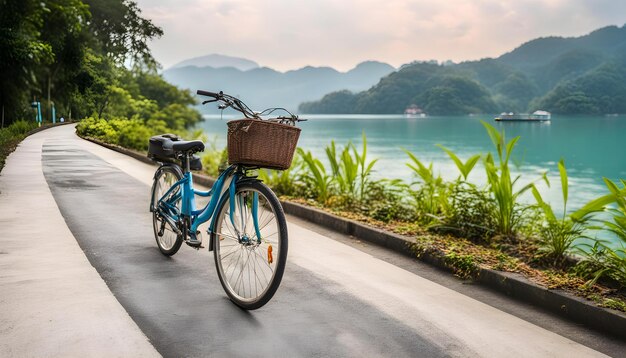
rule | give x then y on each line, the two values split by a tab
263	87
218	61
571	75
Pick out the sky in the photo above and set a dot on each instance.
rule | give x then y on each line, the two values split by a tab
290	34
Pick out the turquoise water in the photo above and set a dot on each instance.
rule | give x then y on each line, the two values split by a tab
593	147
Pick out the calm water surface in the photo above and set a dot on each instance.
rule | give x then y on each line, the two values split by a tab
593	147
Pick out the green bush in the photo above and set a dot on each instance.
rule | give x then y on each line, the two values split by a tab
129	133
11	136
469	213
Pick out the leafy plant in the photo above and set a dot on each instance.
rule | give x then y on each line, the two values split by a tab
351	170
602	260
345	169
469	213
430	198
464	168
508	213
558	233
386	201
365	168
283	182
212	157
314	176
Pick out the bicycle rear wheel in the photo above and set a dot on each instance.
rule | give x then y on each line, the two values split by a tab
250	268
167	240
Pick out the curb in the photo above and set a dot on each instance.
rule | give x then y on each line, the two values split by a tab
511	284
47	126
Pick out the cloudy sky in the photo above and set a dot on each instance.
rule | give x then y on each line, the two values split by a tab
289	34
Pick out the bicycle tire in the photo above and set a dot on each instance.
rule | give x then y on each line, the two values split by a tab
169	242
268	255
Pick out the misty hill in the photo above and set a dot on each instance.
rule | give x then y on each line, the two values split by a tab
585	74
218	61
264	87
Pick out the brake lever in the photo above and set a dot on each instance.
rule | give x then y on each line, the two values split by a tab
208	101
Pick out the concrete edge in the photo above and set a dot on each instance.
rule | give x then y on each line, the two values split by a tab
512	284
47	126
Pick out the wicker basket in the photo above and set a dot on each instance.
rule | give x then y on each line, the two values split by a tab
261	143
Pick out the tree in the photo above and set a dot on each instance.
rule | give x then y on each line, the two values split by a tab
121	33
21	52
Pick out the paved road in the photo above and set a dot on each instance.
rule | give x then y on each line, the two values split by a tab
335	300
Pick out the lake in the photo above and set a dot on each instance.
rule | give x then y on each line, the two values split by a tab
593	147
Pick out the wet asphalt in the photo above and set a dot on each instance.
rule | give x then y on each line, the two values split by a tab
179	303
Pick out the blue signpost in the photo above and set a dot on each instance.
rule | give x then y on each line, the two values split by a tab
54	113
37	106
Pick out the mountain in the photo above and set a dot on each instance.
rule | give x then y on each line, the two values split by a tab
563	75
263	87
218	61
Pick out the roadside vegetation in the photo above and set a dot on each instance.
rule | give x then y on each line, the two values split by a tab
470	226
11	136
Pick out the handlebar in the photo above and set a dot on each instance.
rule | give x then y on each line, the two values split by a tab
238	105
208	94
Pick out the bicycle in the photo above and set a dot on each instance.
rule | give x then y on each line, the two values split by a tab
247	230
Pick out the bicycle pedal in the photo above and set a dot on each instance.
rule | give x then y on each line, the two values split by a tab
195	244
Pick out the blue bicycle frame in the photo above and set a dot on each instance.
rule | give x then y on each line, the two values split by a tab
229	178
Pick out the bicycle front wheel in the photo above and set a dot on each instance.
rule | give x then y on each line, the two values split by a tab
250	267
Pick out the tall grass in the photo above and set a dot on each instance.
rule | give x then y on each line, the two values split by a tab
350	169
602	260
429	192
558	233
314	176
508	214
464	168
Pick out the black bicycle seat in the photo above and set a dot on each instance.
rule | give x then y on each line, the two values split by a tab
188	146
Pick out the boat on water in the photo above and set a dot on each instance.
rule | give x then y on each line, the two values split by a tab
414	111
536	116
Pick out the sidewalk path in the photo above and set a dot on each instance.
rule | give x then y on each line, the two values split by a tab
53	303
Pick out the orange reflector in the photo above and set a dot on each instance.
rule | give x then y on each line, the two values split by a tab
270	259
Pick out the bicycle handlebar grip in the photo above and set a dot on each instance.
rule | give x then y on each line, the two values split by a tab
207	93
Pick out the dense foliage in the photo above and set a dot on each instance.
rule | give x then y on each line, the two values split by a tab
583	75
88	58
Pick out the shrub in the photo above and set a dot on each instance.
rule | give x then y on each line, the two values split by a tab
11	136
469	214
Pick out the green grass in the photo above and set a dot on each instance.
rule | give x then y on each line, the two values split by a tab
11	136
